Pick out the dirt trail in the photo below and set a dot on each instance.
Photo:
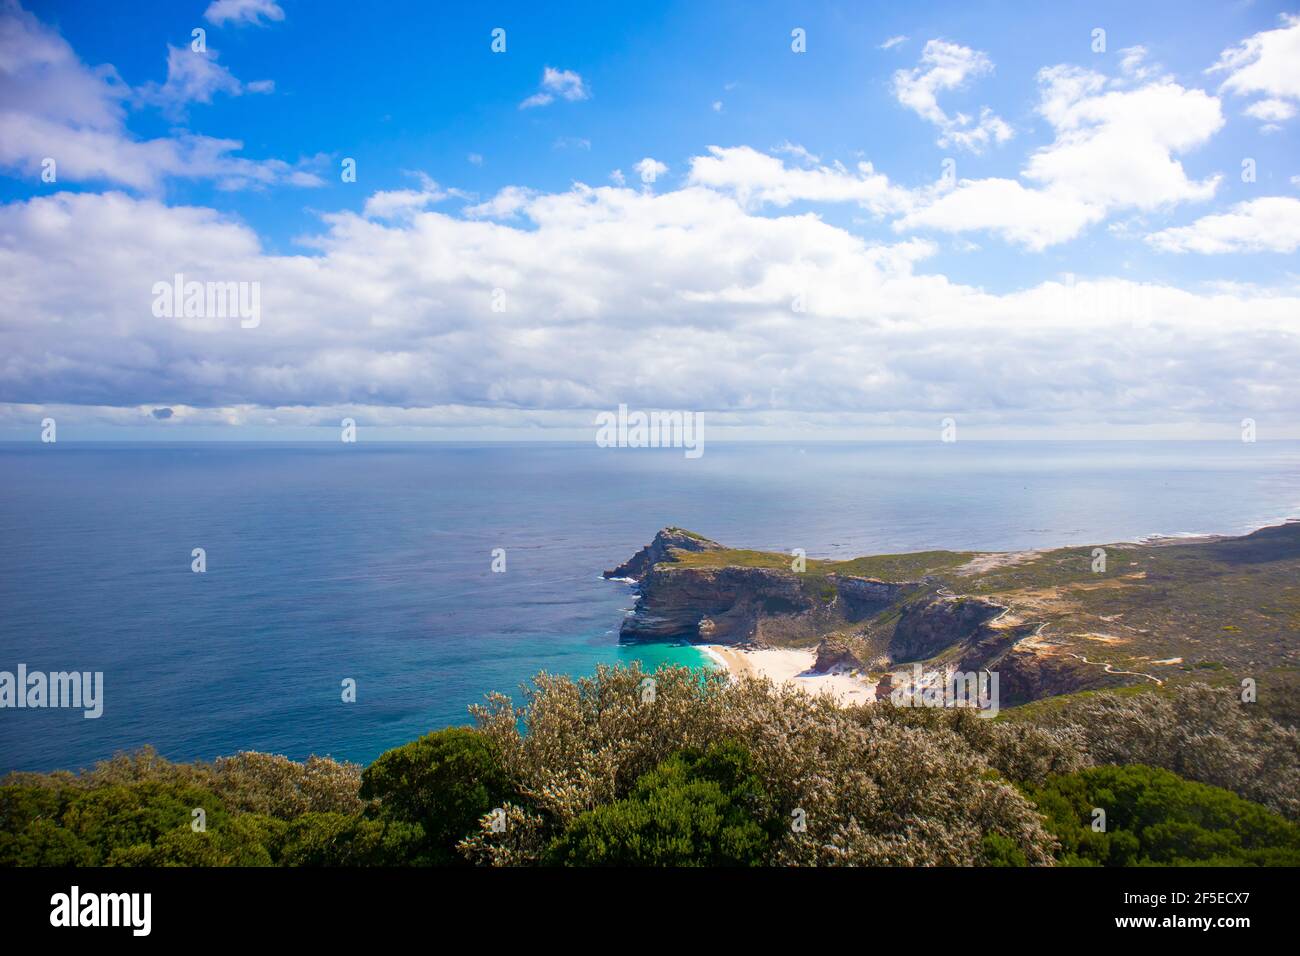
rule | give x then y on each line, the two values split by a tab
1110	669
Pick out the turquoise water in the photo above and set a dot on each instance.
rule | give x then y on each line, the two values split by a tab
373	562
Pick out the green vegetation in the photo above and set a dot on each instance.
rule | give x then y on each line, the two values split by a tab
887	567
706	772
1154	817
694	809
442	783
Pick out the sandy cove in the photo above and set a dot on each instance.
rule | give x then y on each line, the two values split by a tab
783	665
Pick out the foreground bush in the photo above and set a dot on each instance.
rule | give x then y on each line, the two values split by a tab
1153	816
1201	733
850	787
684	768
443	782
694	809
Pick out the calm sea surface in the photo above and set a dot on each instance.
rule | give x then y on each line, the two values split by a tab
373	562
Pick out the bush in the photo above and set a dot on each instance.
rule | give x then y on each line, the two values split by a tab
694	809
444	782
1153	816
870	789
1200	733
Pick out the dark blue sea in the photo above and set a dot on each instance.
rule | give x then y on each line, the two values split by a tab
373	562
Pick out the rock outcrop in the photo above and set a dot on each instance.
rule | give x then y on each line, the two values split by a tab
928	627
636	567
833	655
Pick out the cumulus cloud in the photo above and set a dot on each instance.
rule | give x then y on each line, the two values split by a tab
566	84
679	299
1264	63
949	66
395	203
757	179
1267	63
240	12
53	105
1114	148
1271	224
506	204
1035	218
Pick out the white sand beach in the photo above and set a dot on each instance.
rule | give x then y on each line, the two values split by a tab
784	665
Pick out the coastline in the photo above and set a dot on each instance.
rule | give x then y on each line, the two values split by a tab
789	665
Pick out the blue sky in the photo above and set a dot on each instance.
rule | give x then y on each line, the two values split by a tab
416	96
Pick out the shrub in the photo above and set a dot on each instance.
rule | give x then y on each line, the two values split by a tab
444	782
694	809
1201	733
1153	816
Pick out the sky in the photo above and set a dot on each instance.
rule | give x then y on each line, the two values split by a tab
799	221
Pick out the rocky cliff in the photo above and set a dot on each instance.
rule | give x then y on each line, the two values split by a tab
733	603
660	549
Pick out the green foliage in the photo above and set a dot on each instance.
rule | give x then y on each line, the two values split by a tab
142	823
706	772
336	839
1001	851
1155	817
444	782
694	809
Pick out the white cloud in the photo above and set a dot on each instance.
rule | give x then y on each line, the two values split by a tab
1033	218
395	318
52	105
649	169
194	77
396	203
757	179
242	11
1271	110
798	152
565	84
893	42
1133	65
506	204
949	66
1267	63
1271	224
1113	149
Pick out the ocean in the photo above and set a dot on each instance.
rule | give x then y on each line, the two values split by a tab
373	562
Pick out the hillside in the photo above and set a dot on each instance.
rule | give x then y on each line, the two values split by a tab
1215	609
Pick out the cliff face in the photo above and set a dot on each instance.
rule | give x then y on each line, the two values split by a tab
722	605
927	628
734	604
